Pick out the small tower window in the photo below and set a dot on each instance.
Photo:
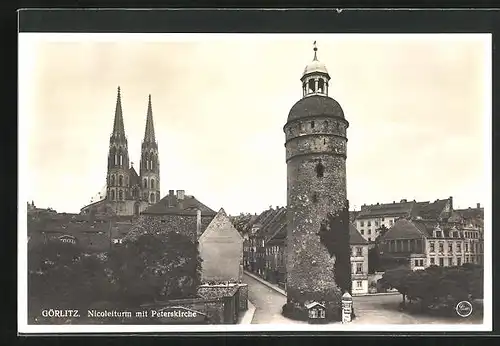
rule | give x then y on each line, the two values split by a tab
145	196
311	86
121	160
325	125
120	194
126	181
135	193
145	183
112	195
116	159
152	183
321	86
113	181
320	170
312	124
120	180
152	198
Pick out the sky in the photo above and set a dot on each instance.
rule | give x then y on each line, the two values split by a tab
419	108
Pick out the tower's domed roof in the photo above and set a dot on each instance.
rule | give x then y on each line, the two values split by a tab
315	66
315	105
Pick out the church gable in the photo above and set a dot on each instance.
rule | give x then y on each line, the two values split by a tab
221	227
221	251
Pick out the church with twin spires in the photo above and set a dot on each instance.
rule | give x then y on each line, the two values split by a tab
127	192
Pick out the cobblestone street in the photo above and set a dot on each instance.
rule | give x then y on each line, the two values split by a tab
379	309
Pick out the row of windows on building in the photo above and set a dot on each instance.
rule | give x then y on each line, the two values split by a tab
121	182
302	126
135	193
376	222
475	247
457	234
442	261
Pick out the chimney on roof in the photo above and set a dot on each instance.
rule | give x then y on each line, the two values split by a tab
478	205
198	224
451	202
180	194
170	192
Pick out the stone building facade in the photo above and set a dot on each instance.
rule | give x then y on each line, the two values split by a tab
128	193
316	145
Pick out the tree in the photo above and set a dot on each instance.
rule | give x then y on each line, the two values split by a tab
437	288
156	267
398	279
62	275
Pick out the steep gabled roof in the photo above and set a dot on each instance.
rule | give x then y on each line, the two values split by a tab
471	213
406	229
400	209
355	237
170	204
134	177
431	211
221	223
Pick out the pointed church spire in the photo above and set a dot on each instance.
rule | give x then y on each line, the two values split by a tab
149	133
118	128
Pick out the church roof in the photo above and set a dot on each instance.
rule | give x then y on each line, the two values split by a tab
315	66
316	105
118	127
171	204
134	177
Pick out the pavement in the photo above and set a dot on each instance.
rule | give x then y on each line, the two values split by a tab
248	315
269	299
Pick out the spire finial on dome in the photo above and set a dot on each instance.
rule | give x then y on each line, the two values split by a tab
315	51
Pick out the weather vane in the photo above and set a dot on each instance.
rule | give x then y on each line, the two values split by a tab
315	50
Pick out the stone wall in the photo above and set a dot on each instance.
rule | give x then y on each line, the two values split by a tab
243	292
185	224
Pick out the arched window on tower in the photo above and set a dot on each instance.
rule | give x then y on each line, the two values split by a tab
145	196
152	184
126	181
121	159
120	194
310	86
120	180
320	170
145	183
325	125
112	180
135	192
312	124
152	198
112	195
116	159
321	86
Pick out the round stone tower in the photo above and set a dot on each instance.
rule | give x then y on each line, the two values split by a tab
317	250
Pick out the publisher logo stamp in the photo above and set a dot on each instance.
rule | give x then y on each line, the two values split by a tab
464	309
